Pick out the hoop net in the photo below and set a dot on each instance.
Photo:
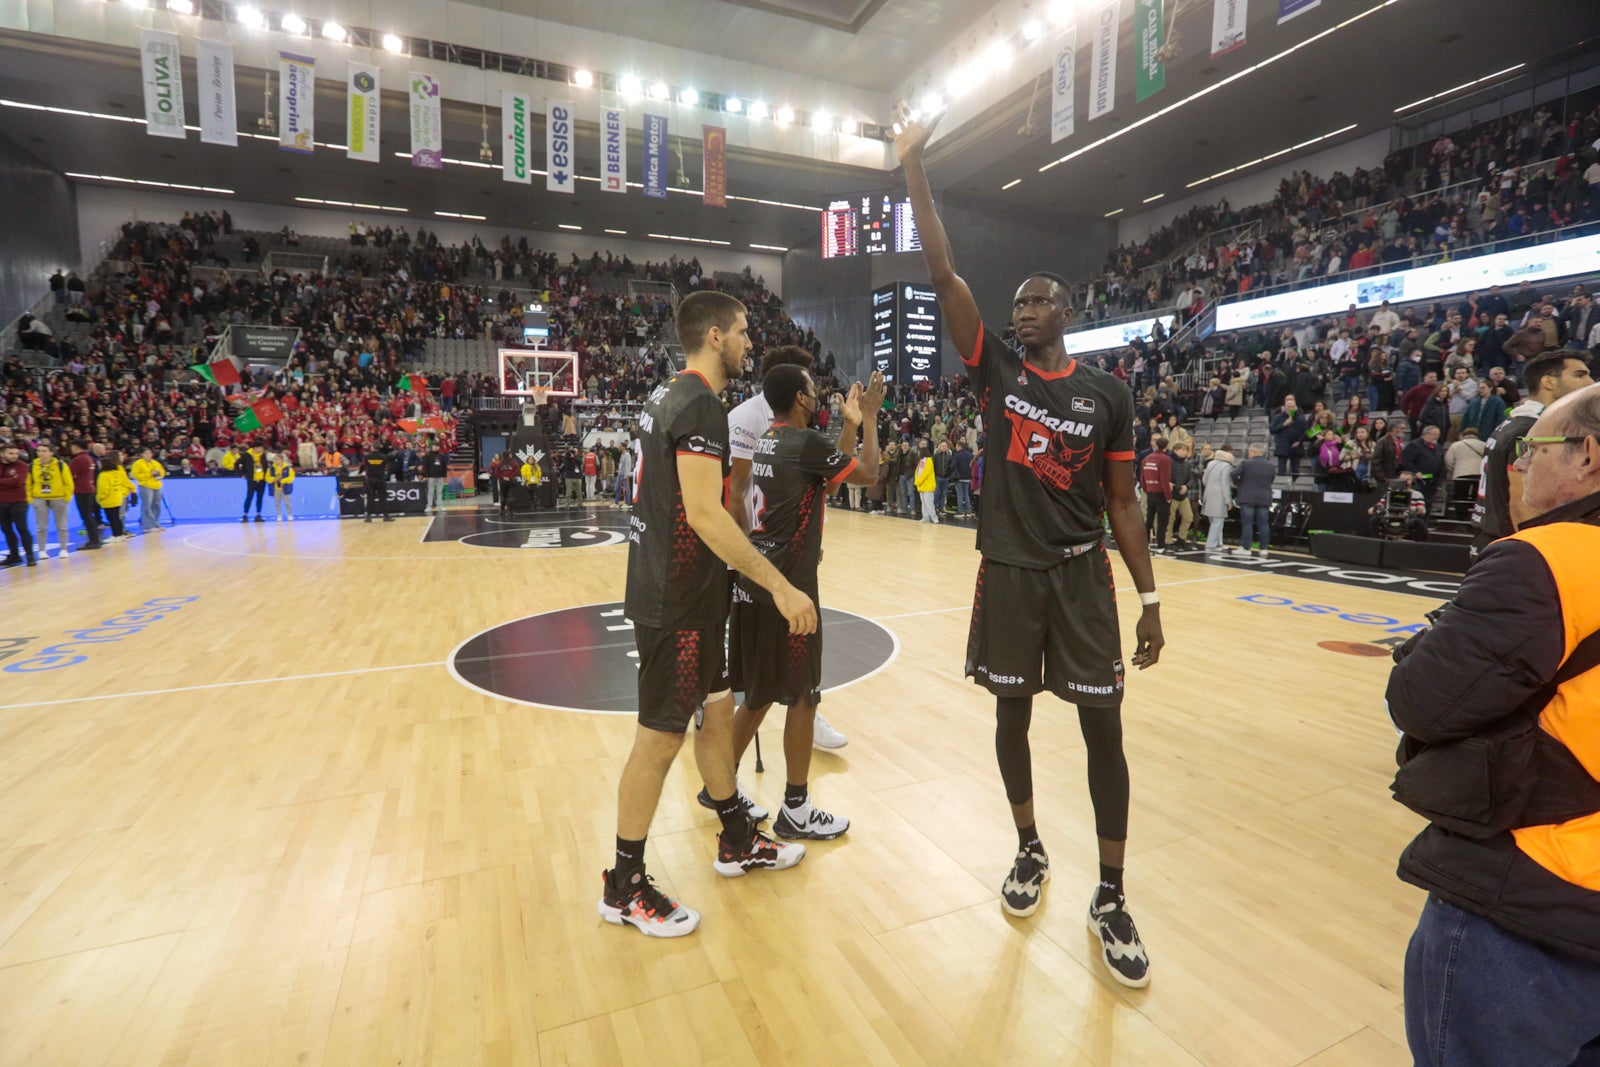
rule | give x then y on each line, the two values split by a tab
541	395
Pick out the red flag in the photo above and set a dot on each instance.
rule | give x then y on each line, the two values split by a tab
267	410
224	371
715	177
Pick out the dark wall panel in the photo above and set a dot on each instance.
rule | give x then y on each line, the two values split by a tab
39	218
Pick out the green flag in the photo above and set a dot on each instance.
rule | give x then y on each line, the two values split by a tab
1147	22
404	382
204	370
248	421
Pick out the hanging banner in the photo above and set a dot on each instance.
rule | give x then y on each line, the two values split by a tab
1103	61
163	84
1288	9
1227	26
655	156
297	90
558	147
363	106
427	128
1063	117
1148	24
219	118
514	138
613	150
714	172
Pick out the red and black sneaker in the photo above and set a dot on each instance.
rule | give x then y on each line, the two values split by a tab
758	852
644	906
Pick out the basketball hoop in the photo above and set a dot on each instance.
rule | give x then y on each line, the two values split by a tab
541	395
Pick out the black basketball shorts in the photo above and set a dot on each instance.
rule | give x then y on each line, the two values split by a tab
1053	629
678	670
768	663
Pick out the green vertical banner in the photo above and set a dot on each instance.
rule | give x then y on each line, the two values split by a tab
1150	26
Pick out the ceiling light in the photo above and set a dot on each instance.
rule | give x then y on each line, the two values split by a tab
848	127
135	3
659	91
758	109
999	54
1153	199
181	7
1032	30
569	226
932	104
785	115
1011	184
1109	214
147	182
956	84
334	32
292	23
630	85
821	120
1061	11
393	43
583	79
1457	89
689	97
770	248
733	105
1214	86
456	215
619	233
250	18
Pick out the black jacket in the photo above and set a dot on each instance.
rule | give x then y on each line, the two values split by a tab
434	465
1500	641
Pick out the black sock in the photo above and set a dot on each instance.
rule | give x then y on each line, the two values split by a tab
1028	837
630	861
794	796
735	823
1110	880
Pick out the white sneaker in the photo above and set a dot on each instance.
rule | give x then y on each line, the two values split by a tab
823	735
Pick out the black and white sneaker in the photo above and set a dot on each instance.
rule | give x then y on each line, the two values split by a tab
758	852
1120	946
1024	886
645	907
756	812
809	823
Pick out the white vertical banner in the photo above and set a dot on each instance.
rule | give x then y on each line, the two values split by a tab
1103	62
1227	25
219	116
558	146
427	123
162	67
363	110
297	90
1063	116
514	138
613	150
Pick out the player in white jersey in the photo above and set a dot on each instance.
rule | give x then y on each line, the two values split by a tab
746	425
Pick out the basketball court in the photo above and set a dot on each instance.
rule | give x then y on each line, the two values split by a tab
341	793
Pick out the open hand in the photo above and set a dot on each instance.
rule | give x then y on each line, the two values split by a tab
850	406
872	395
911	134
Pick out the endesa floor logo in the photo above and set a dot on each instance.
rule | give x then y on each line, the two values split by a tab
74	646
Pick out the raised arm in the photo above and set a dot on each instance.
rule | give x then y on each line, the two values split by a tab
961	315
862	405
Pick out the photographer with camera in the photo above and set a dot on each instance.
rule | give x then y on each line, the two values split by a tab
1503	758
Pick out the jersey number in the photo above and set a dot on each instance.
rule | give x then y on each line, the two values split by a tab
1038	444
638	476
758	510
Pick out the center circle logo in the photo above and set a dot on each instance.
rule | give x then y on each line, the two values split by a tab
583	659
575	536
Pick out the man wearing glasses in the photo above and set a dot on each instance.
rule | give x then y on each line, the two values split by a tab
1504	966
1500	510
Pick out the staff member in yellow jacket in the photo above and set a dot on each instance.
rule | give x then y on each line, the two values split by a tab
926	482
49	489
1504	966
112	488
149	475
280	475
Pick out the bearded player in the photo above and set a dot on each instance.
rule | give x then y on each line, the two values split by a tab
1044	616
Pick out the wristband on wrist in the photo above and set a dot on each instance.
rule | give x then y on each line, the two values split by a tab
1149	599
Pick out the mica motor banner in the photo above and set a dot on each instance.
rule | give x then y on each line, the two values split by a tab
655	156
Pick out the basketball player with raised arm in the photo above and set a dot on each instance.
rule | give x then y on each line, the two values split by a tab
1044	615
681	542
793	471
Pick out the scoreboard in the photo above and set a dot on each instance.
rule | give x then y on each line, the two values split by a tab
907	330
869	225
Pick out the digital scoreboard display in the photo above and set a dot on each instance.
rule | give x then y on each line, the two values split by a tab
869	225
839	226
907	330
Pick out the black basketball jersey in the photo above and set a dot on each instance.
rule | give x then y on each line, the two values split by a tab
675	582
1048	437
1492	511
790	472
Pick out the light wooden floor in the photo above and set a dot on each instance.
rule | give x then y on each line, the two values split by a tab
287	835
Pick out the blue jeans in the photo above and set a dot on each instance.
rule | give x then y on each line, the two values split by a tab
963	497
941	486
908	495
1479	994
1255	519
149	508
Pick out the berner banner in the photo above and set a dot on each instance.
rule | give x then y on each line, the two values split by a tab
163	83
613	150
